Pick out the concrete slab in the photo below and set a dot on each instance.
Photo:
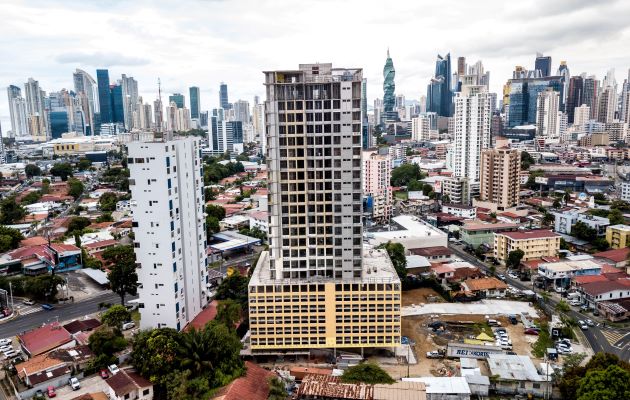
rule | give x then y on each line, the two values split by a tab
483	307
90	384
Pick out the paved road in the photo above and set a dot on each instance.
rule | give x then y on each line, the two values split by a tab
594	335
61	312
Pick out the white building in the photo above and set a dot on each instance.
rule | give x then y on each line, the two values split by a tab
625	191
565	221
377	172
170	239
582	115
472	131
421	128
548	115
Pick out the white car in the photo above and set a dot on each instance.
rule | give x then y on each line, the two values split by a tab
589	322
564	350
559	289
583	325
74	383
10	353
128	325
4	342
113	369
5	348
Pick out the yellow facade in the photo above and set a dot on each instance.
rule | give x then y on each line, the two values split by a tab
618	236
66	149
533	247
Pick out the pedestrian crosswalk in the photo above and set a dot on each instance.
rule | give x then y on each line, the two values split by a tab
26	310
613	336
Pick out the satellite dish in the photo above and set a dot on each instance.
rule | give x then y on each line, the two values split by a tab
582	196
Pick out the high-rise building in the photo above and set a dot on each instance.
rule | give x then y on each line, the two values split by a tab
523	97
315	266
574	97
543	64
35	109
158	112
3	156
377	172
222	135
178	99
104	96
461	66
389	88
17	111
547	114
607	104
241	111
500	169
472	120
195	102
129	88
118	104
440	91
223	96
563	72
422	129
590	95
169	227
86	89
366	136
582	115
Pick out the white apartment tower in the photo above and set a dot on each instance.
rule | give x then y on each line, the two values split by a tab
607	104
421	129
582	115
548	114
472	120
169	226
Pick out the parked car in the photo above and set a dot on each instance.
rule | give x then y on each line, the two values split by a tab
6	348
28	302
4	342
513	319
128	325
501	277
104	374
113	369
51	392
11	354
589	322
532	331
583	325
596	312
74	383
584	307
564	350
47	307
435	354
493	322
575	302
559	289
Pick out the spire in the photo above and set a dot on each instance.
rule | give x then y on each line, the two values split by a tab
388	52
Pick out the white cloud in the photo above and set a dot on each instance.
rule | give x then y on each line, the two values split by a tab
204	42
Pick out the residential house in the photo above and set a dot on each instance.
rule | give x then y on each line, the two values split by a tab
485	287
460	210
434	254
44	339
517	375
128	385
560	273
595	292
417	264
615	257
252	386
564	222
476	233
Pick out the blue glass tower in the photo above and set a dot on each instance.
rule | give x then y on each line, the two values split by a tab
439	91
118	106
389	87
58	123
104	97
223	96
524	96
194	102
178	99
543	64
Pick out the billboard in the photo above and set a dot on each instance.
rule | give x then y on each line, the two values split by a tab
463	350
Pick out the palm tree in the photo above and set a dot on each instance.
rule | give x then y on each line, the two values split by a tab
196	351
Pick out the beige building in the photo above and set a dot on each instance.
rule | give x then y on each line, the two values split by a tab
535	244
618	236
500	177
377	172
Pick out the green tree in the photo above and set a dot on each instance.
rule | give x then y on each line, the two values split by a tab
563	306
106	340
600	244
616	217
233	287
209	194
44	287
108	201
531	180
45	186
574	373
31	197
229	312
155	354
526	160
396	252
367	372
556	204
403	174
105	217
122	276
62	170
75	188
212	225
10	211
277	389
514	258
32	170
216	211
180	385
84	164
608	384
77	224
116	316
9	238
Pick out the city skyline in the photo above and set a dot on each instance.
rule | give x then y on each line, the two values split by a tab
170	43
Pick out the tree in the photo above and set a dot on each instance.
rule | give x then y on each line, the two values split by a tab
567	196
84	164
608	384
574	373
229	313
116	316
563	306
600	244
403	174
44	287
396	252
531	180
212	225
216	211
62	170
106	340
277	389
105	217
233	287
45	186
155	354
77	224
10	211
32	170
514	258
209	194
180	385
556	204
108	201
75	188
31	197
367	372
9	238
616	217
526	160
122	276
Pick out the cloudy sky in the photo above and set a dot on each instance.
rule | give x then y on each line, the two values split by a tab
204	42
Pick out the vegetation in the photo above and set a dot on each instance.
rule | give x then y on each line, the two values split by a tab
118	177
543	342
229	313
234	287
396	252
604	377
402	175
32	170
31	197
615	214
215	214
84	164
514	258
369	373
105	217
526	160
75	188
108	201
42	287
77	224
563	306
10	211
9	239
584	232
104	342
254	232
122	276
213	172
62	170
188	365
531	180
277	390
116	316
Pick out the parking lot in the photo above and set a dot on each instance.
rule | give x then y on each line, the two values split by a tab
91	384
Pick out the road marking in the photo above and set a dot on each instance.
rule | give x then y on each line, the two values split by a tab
612	336
29	310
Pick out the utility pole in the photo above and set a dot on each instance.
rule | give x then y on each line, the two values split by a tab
11	293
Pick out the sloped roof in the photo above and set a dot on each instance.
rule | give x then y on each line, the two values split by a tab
616	255
484	284
252	386
44	339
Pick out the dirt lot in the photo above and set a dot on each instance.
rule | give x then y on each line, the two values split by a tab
421	296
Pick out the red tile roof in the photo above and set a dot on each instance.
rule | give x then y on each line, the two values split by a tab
597	288
205	316
535	234
252	386
584	279
33	241
432	251
44	339
101	244
125	382
616	255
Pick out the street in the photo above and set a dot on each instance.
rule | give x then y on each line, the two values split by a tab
595	335
61	312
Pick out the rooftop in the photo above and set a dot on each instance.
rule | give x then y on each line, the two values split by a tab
480	226
615	255
251	386
442	385
46	338
528	235
484	284
513	368
569	266
432	251
620	227
125	382
597	288
331	387
406	226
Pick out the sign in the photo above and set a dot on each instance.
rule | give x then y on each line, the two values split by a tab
542	180
462	350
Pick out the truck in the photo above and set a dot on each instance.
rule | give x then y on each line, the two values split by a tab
436	353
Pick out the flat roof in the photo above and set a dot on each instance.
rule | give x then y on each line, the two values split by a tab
97	275
442	385
567	266
232	240
513	367
534	234
411	226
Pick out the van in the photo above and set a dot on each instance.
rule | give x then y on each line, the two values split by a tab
493	322
11	354
128	325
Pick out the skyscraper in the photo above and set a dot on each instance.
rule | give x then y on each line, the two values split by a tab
574	97
389	87
607	104
439	91
625	100
524	98
130	99
315	227
377	172
195	103
548	114
35	109
170	240
590	95
223	96
563	72
178	99
104	96
86	88
543	64
117	104
17	111
461	66
500	177
365	128
241	111
472	120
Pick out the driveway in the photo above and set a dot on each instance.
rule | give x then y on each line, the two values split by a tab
91	384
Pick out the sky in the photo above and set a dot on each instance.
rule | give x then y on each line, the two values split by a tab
204	42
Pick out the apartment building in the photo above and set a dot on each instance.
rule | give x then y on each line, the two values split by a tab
618	236
500	178
169	227
314	288
535	244
377	173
